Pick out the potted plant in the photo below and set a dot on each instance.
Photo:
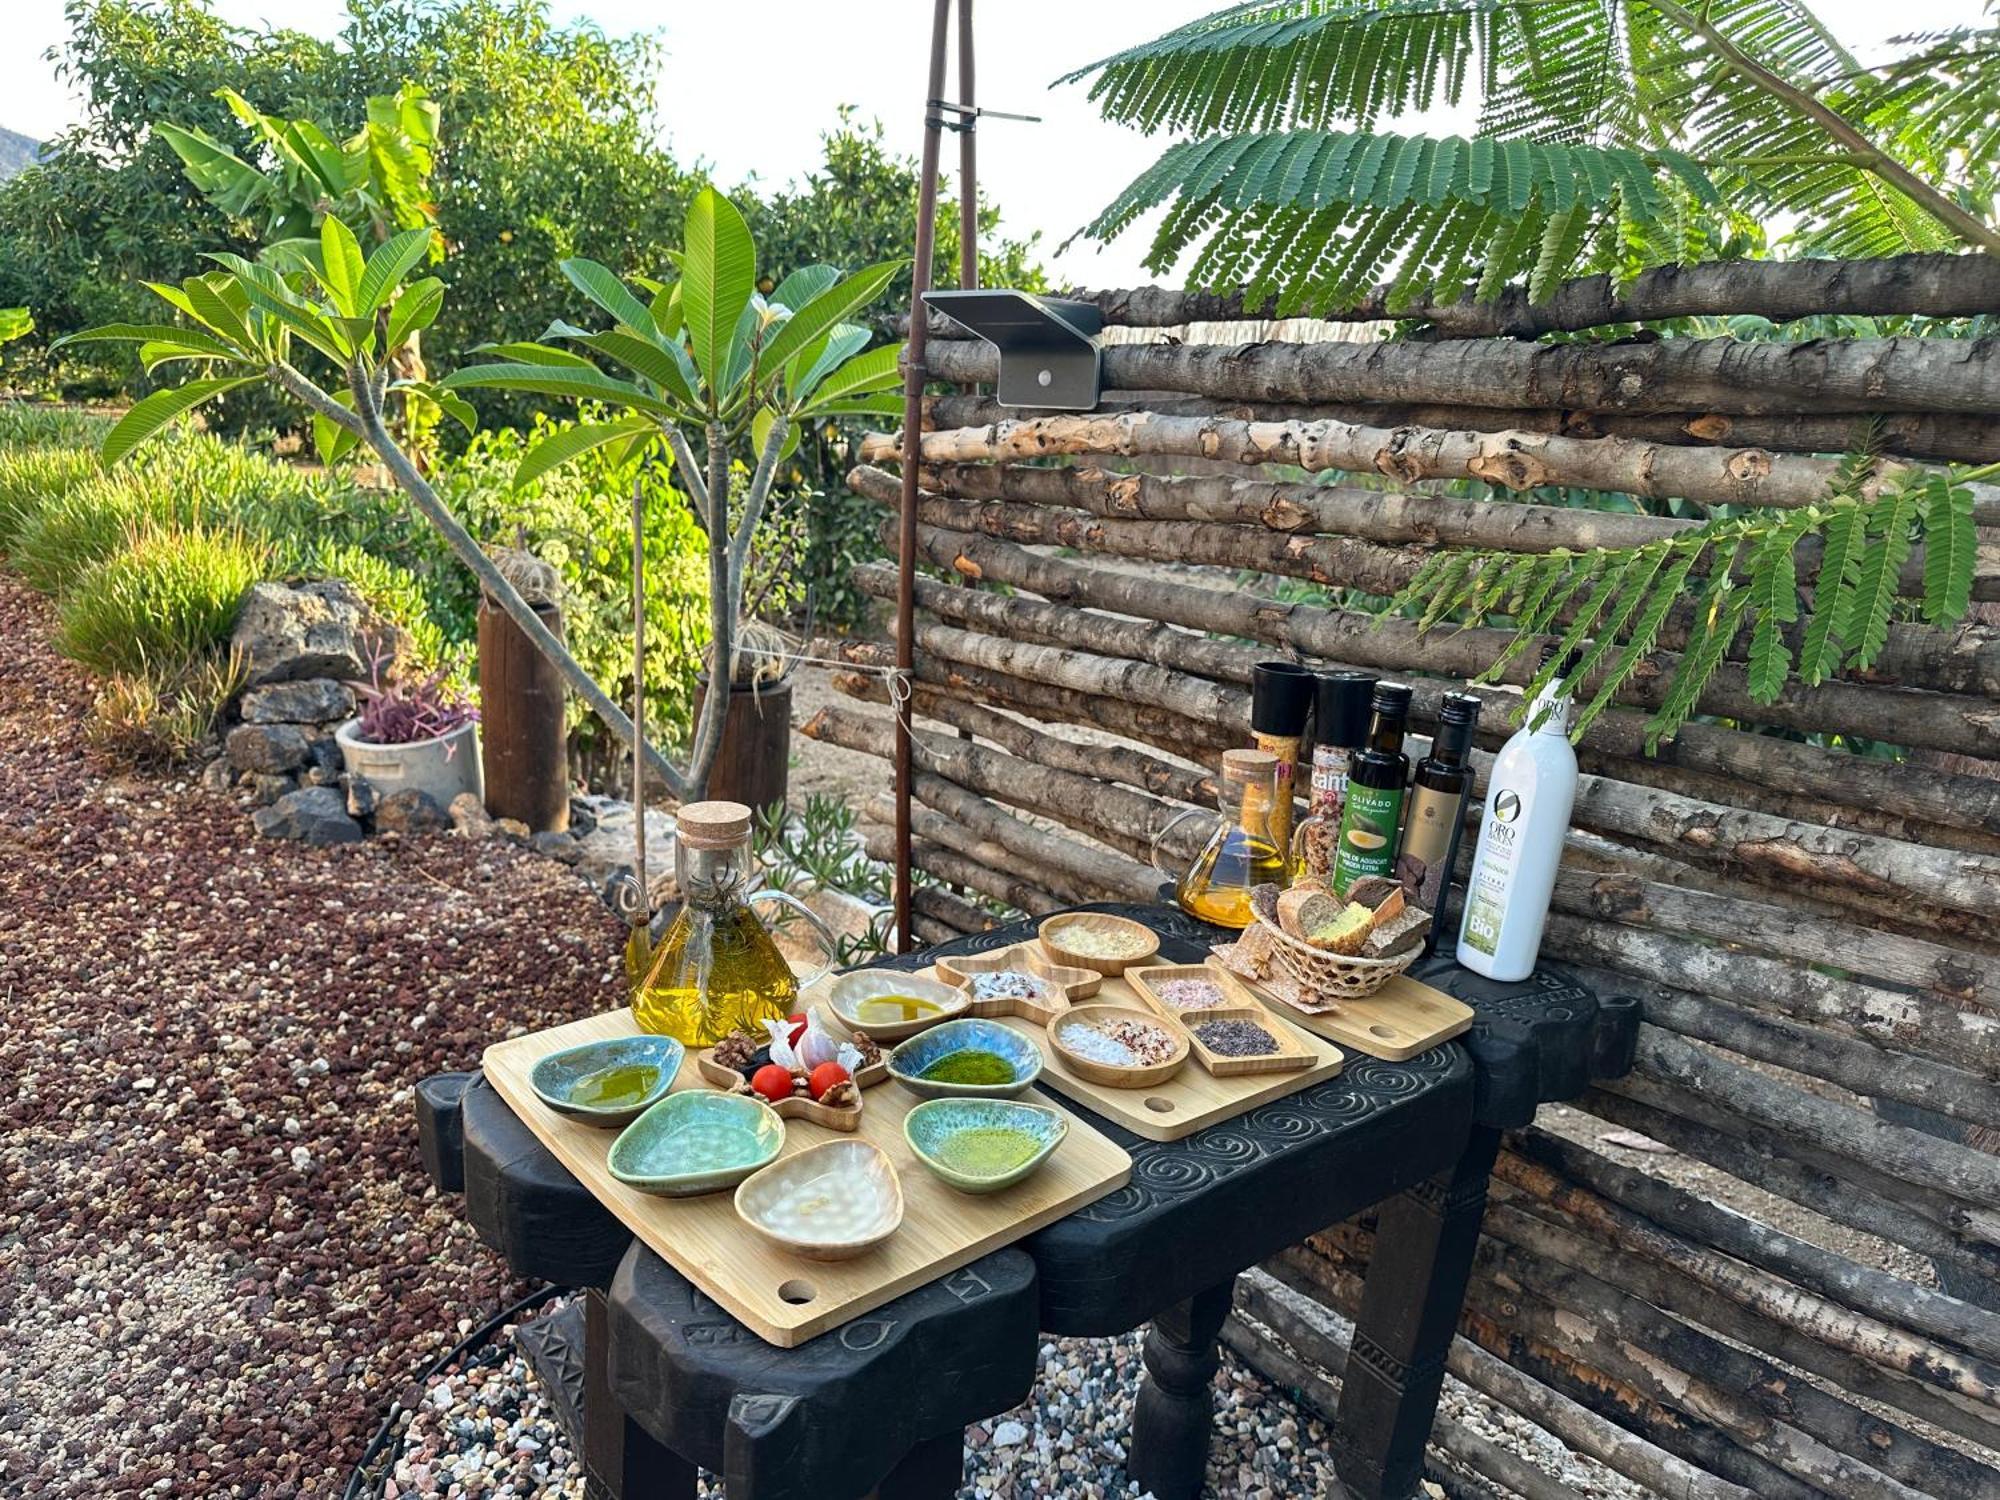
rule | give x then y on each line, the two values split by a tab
414	735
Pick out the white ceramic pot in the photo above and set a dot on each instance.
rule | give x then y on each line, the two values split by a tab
444	766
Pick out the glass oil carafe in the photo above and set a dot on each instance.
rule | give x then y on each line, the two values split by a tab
1240	852
718	970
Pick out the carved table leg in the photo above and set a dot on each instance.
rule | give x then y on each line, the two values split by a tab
933	1470
1409	1312
620	1462
1170	1429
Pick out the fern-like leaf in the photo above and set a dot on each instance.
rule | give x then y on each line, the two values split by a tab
1639	644
1717	614
1773	588
1865	626
1842	536
1951	543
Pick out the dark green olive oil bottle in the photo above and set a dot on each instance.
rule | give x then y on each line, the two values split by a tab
1377	779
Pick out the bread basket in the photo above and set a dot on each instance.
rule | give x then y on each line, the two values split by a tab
1328	976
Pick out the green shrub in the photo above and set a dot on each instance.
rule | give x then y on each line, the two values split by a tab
31	478
170	597
94	520
162	715
29	424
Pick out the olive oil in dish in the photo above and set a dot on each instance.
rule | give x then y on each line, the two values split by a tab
1528	801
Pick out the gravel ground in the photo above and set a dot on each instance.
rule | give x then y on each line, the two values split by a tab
219	1257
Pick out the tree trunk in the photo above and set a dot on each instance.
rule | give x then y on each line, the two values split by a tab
957	869
1665	375
949	833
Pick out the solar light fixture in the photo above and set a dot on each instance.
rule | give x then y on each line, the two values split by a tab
1048	345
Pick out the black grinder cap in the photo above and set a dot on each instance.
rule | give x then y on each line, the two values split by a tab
1340	716
1281	695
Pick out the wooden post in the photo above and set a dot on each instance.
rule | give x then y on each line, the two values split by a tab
1409	1311
620	1459
523	738
1171	1423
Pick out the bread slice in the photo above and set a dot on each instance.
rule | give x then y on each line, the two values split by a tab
1345	933
1398	935
1390	907
1304	908
1372	890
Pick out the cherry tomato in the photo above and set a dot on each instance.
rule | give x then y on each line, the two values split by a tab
773	1082
824	1077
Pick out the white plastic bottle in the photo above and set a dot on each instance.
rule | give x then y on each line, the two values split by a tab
1528	801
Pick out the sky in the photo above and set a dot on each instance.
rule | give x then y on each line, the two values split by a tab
815	55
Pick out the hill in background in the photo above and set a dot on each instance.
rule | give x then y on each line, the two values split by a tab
16	152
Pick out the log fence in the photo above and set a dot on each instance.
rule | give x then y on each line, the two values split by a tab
1763	1263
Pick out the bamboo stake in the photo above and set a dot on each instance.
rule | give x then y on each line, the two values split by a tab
1667	375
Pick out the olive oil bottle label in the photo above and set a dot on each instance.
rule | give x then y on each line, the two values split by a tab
1367	833
1493	872
1428	841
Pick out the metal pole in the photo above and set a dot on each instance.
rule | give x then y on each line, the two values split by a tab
913	421
968	157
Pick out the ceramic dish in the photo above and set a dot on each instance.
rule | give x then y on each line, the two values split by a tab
966	1141
849	997
566	1081
908	1062
828	1202
696	1141
1063	1036
1069	939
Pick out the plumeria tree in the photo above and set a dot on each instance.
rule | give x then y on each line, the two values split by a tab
326	324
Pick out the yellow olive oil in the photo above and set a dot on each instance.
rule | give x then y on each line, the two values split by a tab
615	1087
746	980
885	1010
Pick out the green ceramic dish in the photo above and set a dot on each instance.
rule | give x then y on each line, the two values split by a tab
941	1129
908	1061
696	1141
563	1080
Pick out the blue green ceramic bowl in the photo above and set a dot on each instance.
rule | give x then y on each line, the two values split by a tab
564	1080
949	1136
697	1141
908	1061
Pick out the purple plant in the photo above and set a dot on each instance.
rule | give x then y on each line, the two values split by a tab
401	713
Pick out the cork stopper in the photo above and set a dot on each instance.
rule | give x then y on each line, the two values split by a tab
1249	765
713	825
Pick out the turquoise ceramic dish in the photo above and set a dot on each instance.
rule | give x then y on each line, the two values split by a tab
563	1080
908	1061
947	1135
696	1141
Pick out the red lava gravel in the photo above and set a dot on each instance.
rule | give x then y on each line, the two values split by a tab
220	1258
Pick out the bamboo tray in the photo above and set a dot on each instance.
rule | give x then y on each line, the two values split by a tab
1395	1023
1189	1101
1241	1005
783	1298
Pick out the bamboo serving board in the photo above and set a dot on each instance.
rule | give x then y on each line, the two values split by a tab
1191	1100
785	1299
1395	1023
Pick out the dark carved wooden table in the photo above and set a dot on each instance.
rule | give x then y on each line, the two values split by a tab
877	1407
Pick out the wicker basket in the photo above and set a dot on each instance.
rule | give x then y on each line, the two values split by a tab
1330	976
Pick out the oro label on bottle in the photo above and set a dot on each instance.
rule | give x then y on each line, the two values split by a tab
1493	872
1368	825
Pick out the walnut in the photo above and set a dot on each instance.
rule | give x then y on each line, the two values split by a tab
843	1095
737	1050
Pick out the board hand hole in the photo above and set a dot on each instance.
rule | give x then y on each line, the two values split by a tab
798	1293
1160	1106
1383	1031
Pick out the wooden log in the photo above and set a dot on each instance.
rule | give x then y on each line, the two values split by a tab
1941	285
1774	1167
1838	862
1129	819
1886	1296
1666	375
1144	722
1390	517
1045	849
957	869
931	932
952	911
1936	721
1107	762
1524	1332
1956	437
1317	1393
1352	639
1642	1315
1625	1242
1322	1337
1964	660
1651	928
1859	1066
1907	1154
948	833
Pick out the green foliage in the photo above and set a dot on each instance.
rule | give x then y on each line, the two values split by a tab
1608	600
161	715
1609	137
91	521
171	596
15	323
31	478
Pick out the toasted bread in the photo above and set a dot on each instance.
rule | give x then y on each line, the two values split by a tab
1304	909
1345	933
